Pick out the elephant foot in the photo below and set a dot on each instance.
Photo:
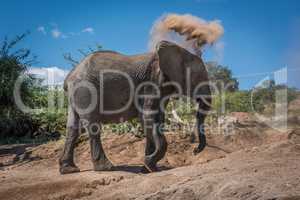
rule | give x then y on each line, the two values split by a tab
103	165
149	166
146	169
68	169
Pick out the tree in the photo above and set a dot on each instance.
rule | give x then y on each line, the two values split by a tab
14	63
221	77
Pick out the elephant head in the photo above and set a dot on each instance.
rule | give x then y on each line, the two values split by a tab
187	70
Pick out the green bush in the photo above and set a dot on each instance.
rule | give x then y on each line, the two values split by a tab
232	102
260	100
50	121
14	123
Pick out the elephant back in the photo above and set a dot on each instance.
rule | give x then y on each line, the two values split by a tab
90	67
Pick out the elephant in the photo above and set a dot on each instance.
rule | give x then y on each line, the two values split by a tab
97	98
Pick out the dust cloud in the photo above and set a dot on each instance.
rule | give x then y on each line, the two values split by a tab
188	31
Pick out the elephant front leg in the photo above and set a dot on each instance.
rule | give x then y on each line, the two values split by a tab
156	145
150	146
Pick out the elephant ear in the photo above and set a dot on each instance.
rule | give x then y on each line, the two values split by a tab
175	60
178	64
171	61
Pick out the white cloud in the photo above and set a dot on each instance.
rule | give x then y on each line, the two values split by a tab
88	30
42	30
56	33
51	75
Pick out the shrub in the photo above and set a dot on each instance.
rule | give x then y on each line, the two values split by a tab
14	123
50	121
232	102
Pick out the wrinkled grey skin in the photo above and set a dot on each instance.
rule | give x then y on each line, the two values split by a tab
169	63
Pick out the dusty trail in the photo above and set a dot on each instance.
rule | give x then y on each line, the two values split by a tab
246	165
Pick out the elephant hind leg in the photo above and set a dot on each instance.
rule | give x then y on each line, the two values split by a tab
66	161
99	159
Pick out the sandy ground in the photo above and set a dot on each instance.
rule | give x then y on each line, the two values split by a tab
254	163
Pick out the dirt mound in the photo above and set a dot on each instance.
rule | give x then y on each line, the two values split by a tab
253	163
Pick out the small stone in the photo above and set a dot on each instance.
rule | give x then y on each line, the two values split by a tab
254	149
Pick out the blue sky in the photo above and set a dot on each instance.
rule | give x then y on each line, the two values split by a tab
260	36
